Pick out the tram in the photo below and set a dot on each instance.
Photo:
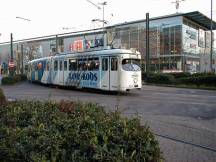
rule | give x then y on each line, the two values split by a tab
104	69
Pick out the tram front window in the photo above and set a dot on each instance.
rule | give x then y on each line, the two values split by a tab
131	65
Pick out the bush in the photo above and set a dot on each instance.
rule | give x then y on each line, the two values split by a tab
199	80
37	131
8	80
2	98
180	75
160	78
203	74
22	77
11	80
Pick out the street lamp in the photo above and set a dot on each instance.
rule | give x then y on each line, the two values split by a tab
68	28
104	3
98	7
104	21
22	18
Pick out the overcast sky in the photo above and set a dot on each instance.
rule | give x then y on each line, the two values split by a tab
51	16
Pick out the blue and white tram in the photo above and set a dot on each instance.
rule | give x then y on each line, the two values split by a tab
106	69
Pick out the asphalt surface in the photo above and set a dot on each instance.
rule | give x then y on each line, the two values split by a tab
186	116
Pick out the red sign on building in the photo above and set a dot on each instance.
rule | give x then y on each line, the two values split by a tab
77	45
11	64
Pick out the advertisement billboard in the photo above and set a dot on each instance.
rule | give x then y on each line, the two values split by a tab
201	40
208	39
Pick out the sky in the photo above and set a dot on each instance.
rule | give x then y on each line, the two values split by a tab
53	16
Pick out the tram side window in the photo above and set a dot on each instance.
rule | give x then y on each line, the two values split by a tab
43	65
32	67
35	66
93	64
47	66
39	66
114	64
55	65
72	64
82	64
104	64
65	65
60	65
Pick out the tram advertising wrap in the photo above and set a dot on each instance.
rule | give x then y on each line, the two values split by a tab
85	79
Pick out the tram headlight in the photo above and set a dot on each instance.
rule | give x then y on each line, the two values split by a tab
135	80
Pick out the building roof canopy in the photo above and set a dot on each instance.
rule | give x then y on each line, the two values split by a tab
200	19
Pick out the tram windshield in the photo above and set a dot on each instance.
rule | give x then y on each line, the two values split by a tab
131	65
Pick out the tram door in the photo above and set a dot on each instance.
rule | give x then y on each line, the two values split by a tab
61	72
109	73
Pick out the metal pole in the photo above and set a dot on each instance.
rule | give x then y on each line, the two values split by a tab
103	16
147	44
56	44
11	46
11	71
211	50
22	58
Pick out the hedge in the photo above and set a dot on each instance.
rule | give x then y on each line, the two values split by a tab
11	80
69	131
2	98
199	80
160	78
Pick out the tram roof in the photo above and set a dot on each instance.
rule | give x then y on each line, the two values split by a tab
97	51
93	52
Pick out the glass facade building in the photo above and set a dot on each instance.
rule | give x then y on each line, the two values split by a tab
178	42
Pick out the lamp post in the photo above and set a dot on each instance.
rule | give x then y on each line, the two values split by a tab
22	69
147	46
11	61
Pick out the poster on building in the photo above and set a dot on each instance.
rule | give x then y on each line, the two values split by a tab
201	41
208	39
99	42
190	37
89	44
77	45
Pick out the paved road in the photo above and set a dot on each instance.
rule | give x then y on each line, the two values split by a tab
184	114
